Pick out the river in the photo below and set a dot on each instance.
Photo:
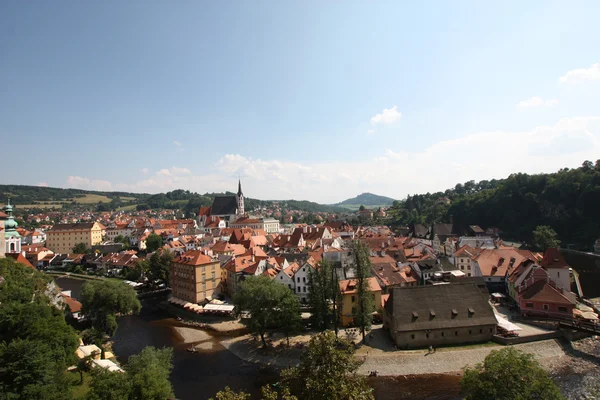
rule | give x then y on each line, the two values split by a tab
200	375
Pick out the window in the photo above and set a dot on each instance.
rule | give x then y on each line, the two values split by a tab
557	274
469	267
442	334
546	307
481	331
490	330
304	289
289	286
412	336
281	277
427	335
562	309
455	333
304	279
469	331
353	299
298	279
529	305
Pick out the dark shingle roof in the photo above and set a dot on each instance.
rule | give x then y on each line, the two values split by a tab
224	205
62	227
436	265
471	306
443	229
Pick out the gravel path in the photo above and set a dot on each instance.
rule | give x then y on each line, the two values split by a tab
449	360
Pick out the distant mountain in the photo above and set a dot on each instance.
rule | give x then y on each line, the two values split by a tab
368	200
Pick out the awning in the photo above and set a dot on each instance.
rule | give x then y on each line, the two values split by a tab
506	324
498	296
219	307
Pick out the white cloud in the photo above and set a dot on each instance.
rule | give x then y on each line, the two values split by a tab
144	171
581	75
387	116
537	101
176	143
79	182
371	132
394	173
43	184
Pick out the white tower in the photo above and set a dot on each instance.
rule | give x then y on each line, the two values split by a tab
240	199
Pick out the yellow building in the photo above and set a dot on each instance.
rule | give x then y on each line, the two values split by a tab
349	291
63	237
194	277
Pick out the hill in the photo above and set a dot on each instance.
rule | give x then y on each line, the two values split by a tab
368	200
566	200
38	197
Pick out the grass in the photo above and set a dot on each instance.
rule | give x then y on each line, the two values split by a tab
78	390
92	199
128	198
130	207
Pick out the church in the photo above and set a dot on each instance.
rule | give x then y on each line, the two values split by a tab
224	210
10	241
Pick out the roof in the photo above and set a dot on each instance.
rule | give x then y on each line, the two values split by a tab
439	307
553	259
20	258
69	227
499	262
224	205
390	275
348	286
73	304
443	229
476	229
542	291
194	257
436	265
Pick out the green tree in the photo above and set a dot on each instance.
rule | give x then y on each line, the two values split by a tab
361	208
365	298
266	394
106	385
228	394
508	374
327	370
153	242
545	237
320	296
288	318
149	373
81	248
102	300
158	266
267	302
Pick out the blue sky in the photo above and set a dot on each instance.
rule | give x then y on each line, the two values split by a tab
307	100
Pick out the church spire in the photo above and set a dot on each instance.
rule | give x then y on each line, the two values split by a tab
239	187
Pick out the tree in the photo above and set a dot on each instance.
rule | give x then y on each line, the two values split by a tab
267	301
288	316
545	237
80	248
83	365
327	370
228	394
508	374
321	296
149	373
106	385
102	300
153	242
266	394
361	208
365	299
158	266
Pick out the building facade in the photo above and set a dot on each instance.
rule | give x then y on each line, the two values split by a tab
195	277
63	237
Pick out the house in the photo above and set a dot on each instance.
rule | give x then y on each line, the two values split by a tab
390	276
543	298
557	268
436	315
302	279
365	214
195	277
72	306
269	225
36	253
494	265
63	237
433	269
349	291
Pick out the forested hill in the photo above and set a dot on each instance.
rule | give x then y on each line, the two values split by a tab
567	200
39	197
367	200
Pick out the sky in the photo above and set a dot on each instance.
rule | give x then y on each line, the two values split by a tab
316	100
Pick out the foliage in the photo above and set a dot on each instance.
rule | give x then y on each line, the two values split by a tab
149	373
269	304
367	199
124	240
158	266
106	385
365	301
566	200
266	394
228	394
545	237
81	248
146	377
36	343
153	242
508	374
288	318
324	290
327	371
102	300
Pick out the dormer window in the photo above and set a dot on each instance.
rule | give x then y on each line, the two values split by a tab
431	314
454	313
471	312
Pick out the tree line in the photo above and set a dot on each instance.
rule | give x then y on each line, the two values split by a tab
565	200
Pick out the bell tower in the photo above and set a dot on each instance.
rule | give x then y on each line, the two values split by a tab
240	199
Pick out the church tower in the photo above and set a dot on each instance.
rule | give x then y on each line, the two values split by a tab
11	236
240	199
